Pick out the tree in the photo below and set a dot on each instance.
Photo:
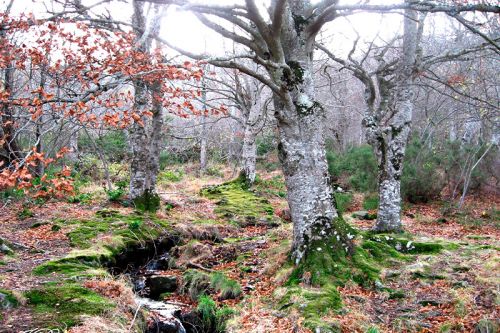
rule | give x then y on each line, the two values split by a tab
87	74
389	96
284	46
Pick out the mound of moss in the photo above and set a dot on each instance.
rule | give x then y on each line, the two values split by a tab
97	241
236	202
61	306
328	264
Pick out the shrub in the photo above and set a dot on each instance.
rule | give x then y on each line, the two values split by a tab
357	167
113	144
422	180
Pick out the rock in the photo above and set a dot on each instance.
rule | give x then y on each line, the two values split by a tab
166	326
160	264
7	301
165	317
486	326
4	249
360	214
159	284
433	302
363	215
460	284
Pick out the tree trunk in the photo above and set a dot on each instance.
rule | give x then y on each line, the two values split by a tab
388	130
145	139
249	149
301	147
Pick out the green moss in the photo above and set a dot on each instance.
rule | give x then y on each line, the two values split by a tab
63	305
82	236
7	299
404	243
235	202
90	254
148	202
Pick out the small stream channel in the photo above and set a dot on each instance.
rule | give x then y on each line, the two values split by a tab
147	267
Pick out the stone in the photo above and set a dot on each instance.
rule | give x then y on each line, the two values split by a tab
159	284
360	214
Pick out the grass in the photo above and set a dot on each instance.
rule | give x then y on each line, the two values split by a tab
62	305
213	318
343	201
370	202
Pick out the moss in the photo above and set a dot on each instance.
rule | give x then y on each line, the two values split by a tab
7	299
89	255
62	306
404	243
235	202
88	230
148	202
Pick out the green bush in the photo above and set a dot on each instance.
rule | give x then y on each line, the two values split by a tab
113	144
422	178
343	201
356	168
265	144
170	176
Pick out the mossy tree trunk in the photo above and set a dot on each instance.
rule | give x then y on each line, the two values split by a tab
145	138
301	148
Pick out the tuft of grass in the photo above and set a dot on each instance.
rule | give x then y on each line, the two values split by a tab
229	289
61	306
370	202
213	319
195	283
343	201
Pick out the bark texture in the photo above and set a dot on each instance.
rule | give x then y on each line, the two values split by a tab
145	139
301	146
388	128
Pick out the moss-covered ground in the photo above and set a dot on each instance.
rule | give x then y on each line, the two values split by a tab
234	269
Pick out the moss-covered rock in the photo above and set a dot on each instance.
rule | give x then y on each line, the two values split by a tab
62	305
7	299
237	203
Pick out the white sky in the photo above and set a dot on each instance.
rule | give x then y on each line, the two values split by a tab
182	29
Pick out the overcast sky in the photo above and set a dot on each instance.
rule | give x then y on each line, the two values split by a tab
182	29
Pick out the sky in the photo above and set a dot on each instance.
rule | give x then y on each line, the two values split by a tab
183	30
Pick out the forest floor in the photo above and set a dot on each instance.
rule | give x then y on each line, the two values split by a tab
453	289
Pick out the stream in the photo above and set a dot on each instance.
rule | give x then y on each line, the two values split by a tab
147	267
